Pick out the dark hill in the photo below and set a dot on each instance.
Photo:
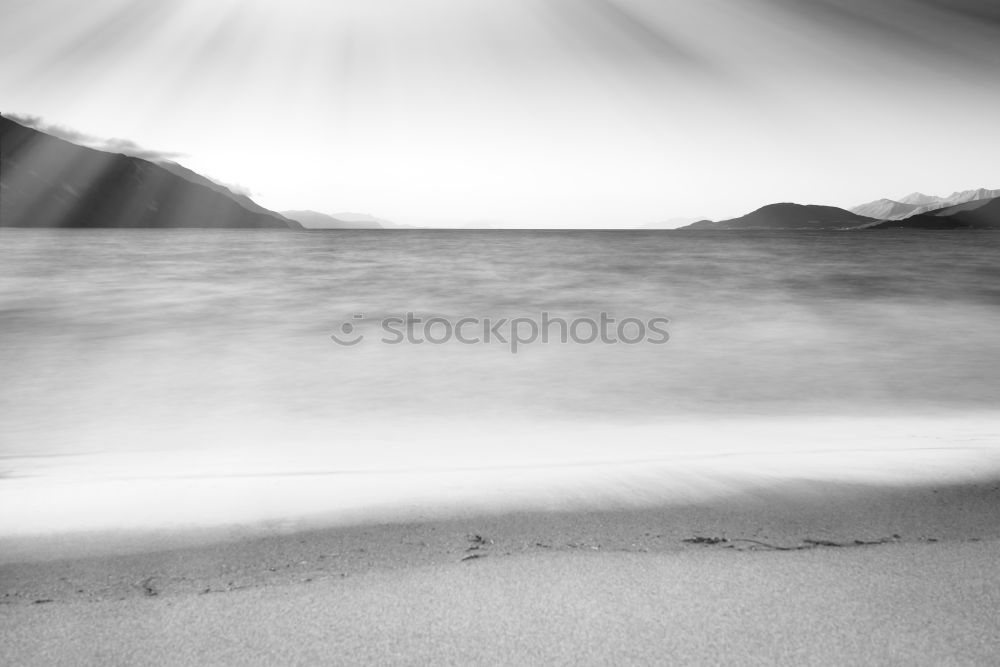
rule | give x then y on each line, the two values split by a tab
49	182
788	216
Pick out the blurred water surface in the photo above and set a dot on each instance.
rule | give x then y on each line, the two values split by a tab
130	355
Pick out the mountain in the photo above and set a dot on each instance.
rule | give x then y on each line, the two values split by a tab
788	216
978	214
919	203
959	208
314	220
364	217
918	199
49	182
195	177
885	209
958	198
672	223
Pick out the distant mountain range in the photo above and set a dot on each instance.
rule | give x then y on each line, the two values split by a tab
918	199
976	214
918	203
886	209
365	218
315	220
970	209
48	182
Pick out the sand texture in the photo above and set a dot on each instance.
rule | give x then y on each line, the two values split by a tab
836	575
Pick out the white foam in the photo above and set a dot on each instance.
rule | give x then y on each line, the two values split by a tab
269	473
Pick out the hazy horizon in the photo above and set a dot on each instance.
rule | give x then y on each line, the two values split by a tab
528	113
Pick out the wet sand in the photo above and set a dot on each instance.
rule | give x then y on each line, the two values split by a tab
805	574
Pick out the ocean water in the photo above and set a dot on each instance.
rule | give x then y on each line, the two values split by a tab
189	377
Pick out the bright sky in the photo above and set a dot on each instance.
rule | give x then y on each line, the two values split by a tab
534	113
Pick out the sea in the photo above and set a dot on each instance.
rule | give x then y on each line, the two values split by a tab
198	378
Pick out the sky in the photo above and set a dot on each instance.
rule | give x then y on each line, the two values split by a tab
526	113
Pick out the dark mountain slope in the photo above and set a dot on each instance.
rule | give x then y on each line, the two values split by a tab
195	177
48	182
788	216
982	214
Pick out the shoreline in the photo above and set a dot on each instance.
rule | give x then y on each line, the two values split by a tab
789	516
810	573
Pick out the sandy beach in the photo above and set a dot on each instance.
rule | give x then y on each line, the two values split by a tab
803	574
